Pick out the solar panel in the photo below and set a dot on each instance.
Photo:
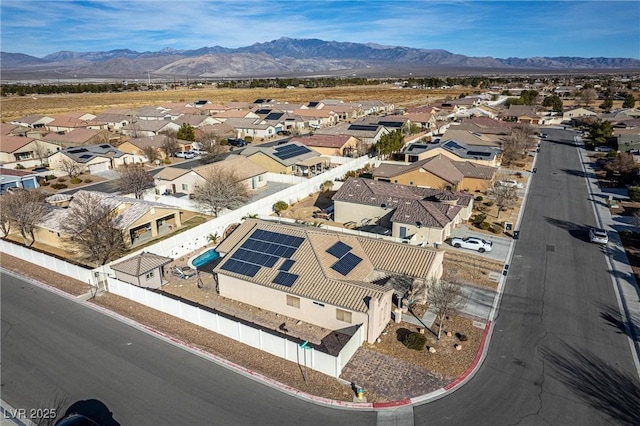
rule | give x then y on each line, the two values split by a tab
285	148
453	145
346	263
255	257
240	267
263	111
478	154
363	127
274	116
397	124
293	152
339	249
287	264
285	278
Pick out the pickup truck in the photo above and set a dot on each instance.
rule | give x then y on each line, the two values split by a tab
510	183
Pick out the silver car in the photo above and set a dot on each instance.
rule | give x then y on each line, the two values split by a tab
598	236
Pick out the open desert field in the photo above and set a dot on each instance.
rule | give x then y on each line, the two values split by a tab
53	105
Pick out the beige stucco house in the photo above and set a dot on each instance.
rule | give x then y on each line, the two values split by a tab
331	280
334	145
422	215
177	180
91	158
439	172
289	158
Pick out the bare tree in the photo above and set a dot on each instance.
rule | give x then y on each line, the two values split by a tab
134	179
210	143
152	153
504	196
24	209
70	167
222	189
516	145
170	143
40	150
6	205
445	297
587	96
91	229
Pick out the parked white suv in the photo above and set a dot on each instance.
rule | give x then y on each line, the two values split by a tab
472	243
598	236
511	183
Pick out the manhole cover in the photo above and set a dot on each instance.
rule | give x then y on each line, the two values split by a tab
551	248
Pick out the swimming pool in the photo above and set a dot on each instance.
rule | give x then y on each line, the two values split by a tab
205	258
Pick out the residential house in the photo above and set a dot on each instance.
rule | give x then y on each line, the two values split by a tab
33	121
333	280
79	137
525	114
12	178
71	121
333	145
369	134
317	117
222	116
574	113
178	180
114	121
18	148
440	172
90	158
257	129
144	270
455	150
136	147
219	131
142	128
421	215
473	138
289	158
196	121
155	113
140	221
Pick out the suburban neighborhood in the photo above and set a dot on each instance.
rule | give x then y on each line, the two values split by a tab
343	231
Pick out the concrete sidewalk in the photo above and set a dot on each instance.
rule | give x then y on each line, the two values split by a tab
624	282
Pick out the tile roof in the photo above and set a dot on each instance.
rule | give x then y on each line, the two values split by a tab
440	165
141	264
79	135
86	153
243	167
317	280
270	151
323	141
13	143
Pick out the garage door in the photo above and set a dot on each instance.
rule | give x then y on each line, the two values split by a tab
100	167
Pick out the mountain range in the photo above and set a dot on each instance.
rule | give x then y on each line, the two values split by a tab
286	57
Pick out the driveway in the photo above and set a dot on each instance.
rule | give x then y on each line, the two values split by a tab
500	243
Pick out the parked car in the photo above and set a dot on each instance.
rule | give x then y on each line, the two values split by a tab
510	183
184	272
472	243
598	236
185	154
604	149
237	142
543	135
197	152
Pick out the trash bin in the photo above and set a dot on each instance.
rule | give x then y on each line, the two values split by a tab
516	235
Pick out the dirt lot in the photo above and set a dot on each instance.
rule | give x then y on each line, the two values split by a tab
18	106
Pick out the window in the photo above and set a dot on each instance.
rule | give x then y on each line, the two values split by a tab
185	187
343	315
150	275
293	301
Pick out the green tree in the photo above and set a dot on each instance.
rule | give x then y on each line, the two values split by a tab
629	101
186	133
554	102
390	143
607	104
280	206
600	131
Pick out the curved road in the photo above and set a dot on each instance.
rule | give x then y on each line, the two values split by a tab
559	354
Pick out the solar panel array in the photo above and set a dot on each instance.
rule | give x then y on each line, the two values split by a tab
346	260
453	145
364	127
285	152
264	248
479	154
274	116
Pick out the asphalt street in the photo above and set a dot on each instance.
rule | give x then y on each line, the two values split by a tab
558	354
54	348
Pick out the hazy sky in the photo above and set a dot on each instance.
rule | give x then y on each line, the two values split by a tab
474	28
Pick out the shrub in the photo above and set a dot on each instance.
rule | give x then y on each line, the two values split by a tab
19	166
519	174
249	139
488	203
479	198
484	225
634	193
461	337
50	177
75	180
62	179
280	206
495	229
44	183
59	186
88	180
479	218
415	341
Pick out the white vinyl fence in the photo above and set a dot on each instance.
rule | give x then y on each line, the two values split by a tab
257	338
46	261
